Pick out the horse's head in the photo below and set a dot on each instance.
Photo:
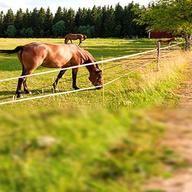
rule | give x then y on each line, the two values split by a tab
96	78
84	37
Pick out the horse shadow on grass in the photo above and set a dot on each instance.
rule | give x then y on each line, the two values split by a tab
35	92
6	95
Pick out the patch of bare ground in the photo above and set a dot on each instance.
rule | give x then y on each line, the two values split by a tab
178	137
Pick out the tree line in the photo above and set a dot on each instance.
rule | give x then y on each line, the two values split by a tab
106	21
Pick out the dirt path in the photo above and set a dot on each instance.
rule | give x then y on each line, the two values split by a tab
178	121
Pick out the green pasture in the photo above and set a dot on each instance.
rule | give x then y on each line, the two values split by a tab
102	141
100	48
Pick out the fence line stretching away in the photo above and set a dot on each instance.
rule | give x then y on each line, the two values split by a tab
72	91
87	88
88	64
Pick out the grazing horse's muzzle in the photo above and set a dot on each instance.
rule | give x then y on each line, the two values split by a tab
99	87
96	78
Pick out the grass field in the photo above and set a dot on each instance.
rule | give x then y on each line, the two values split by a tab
101	141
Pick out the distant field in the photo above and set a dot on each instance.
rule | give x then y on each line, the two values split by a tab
100	48
102	141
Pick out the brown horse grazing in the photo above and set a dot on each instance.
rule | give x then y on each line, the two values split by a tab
33	55
70	37
167	42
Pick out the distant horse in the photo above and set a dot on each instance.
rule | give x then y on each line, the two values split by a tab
35	54
70	37
166	41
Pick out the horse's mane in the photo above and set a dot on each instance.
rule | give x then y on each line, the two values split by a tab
87	57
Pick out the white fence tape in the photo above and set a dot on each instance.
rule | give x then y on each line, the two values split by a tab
83	89
88	64
72	91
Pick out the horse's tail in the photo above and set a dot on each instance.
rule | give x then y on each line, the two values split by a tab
16	50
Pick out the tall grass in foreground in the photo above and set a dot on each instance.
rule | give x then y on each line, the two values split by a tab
109	146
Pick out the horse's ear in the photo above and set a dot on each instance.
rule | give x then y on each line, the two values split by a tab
99	71
97	66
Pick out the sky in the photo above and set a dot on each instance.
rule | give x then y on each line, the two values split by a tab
53	4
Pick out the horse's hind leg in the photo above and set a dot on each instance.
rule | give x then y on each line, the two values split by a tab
26	91
61	73
74	77
22	81
19	85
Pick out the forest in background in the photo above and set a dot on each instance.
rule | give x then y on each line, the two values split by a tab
106	21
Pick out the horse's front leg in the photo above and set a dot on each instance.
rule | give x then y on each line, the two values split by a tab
74	77
80	41
61	73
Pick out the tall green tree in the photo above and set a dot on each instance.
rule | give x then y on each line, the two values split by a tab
8	20
172	16
34	19
41	21
48	22
119	17
130	27
19	21
108	22
99	22
69	19
27	19
94	15
1	23
58	15
9	17
78	17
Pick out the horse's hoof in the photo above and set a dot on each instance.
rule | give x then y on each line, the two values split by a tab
55	90
76	88
28	92
99	88
19	96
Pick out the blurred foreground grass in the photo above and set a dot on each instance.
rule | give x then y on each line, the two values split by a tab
80	142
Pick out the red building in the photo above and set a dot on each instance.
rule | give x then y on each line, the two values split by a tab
158	35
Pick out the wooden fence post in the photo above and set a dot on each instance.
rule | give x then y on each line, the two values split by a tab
103	88
158	55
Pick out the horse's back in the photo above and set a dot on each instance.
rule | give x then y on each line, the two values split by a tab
78	54
73	36
55	55
59	55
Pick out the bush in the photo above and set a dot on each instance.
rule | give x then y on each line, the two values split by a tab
59	29
87	30
11	31
27	32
